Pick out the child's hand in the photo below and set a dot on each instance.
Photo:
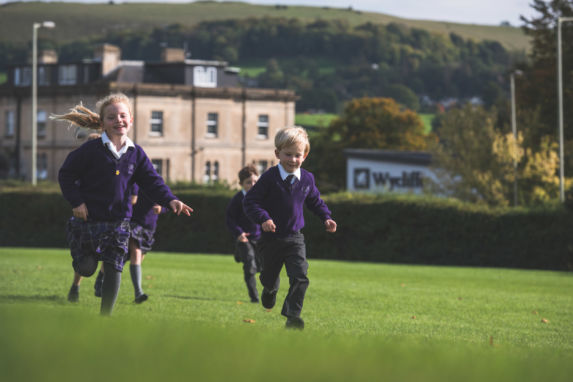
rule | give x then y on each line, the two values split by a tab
269	226
330	225
178	207
157	209
242	238
81	212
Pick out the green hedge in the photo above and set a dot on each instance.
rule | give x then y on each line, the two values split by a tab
391	229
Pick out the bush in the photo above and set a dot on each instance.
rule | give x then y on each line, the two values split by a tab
390	229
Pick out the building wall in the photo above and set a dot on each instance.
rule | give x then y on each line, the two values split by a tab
182	114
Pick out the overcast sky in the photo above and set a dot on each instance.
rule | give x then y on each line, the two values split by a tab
490	12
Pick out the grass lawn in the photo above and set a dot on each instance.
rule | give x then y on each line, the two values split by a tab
365	322
427	120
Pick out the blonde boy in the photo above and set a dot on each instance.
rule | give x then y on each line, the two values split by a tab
276	202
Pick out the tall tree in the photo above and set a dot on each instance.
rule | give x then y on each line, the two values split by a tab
538	87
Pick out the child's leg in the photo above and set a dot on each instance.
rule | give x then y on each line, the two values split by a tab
136	257
270	251
296	268
249	269
74	293
110	288
99	282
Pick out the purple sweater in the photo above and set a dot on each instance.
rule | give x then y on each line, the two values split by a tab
237	221
270	198
143	213
92	175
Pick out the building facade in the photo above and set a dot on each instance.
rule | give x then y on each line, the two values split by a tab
191	116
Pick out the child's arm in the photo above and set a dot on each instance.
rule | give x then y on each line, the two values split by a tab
253	204
68	178
315	203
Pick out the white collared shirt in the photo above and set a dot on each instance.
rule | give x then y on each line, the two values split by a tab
111	147
284	173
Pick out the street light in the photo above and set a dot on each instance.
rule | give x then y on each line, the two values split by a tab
514	127
36	26
560	106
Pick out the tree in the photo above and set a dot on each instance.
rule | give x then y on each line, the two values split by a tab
474	160
538	89
369	123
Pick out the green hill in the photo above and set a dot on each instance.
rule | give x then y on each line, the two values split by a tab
77	20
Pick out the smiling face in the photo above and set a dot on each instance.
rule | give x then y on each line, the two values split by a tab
291	157
116	119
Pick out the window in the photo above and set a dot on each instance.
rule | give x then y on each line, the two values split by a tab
43	76
42	166
158	166
212	124
67	74
262	166
23	76
41	123
10	124
207	175
263	126
156	123
205	77
215	176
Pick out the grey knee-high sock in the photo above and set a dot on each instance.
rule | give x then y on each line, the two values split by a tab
135	272
110	288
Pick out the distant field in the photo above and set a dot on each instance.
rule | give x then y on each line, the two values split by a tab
317	120
16	19
365	322
427	119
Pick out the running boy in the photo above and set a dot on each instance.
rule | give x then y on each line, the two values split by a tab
96	180
245	232
276	202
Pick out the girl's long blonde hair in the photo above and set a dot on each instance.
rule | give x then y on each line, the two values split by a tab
83	117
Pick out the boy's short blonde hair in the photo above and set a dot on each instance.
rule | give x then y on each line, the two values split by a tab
289	136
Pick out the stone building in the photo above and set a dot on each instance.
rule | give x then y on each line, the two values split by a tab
192	117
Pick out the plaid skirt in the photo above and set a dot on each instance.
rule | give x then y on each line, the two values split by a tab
143	237
106	241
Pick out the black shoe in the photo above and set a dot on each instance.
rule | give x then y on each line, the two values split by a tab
141	298
268	298
255	300
98	284
294	323
74	294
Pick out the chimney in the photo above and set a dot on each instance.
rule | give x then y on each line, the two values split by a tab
172	55
45	56
48	56
109	56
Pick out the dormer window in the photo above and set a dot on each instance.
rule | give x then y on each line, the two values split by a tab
67	74
205	77
23	76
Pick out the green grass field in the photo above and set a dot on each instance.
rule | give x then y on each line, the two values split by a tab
365	322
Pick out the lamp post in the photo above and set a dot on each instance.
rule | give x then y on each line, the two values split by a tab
514	128
36	26
560	20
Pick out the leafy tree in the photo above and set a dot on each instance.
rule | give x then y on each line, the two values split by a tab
475	160
537	89
370	123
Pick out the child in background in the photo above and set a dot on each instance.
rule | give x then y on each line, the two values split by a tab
74	293
276	202
143	224
96	180
245	232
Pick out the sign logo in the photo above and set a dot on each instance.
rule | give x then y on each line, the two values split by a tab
362	178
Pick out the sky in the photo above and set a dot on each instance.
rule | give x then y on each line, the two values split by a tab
488	12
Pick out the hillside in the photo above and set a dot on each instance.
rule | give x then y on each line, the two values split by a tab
76	20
